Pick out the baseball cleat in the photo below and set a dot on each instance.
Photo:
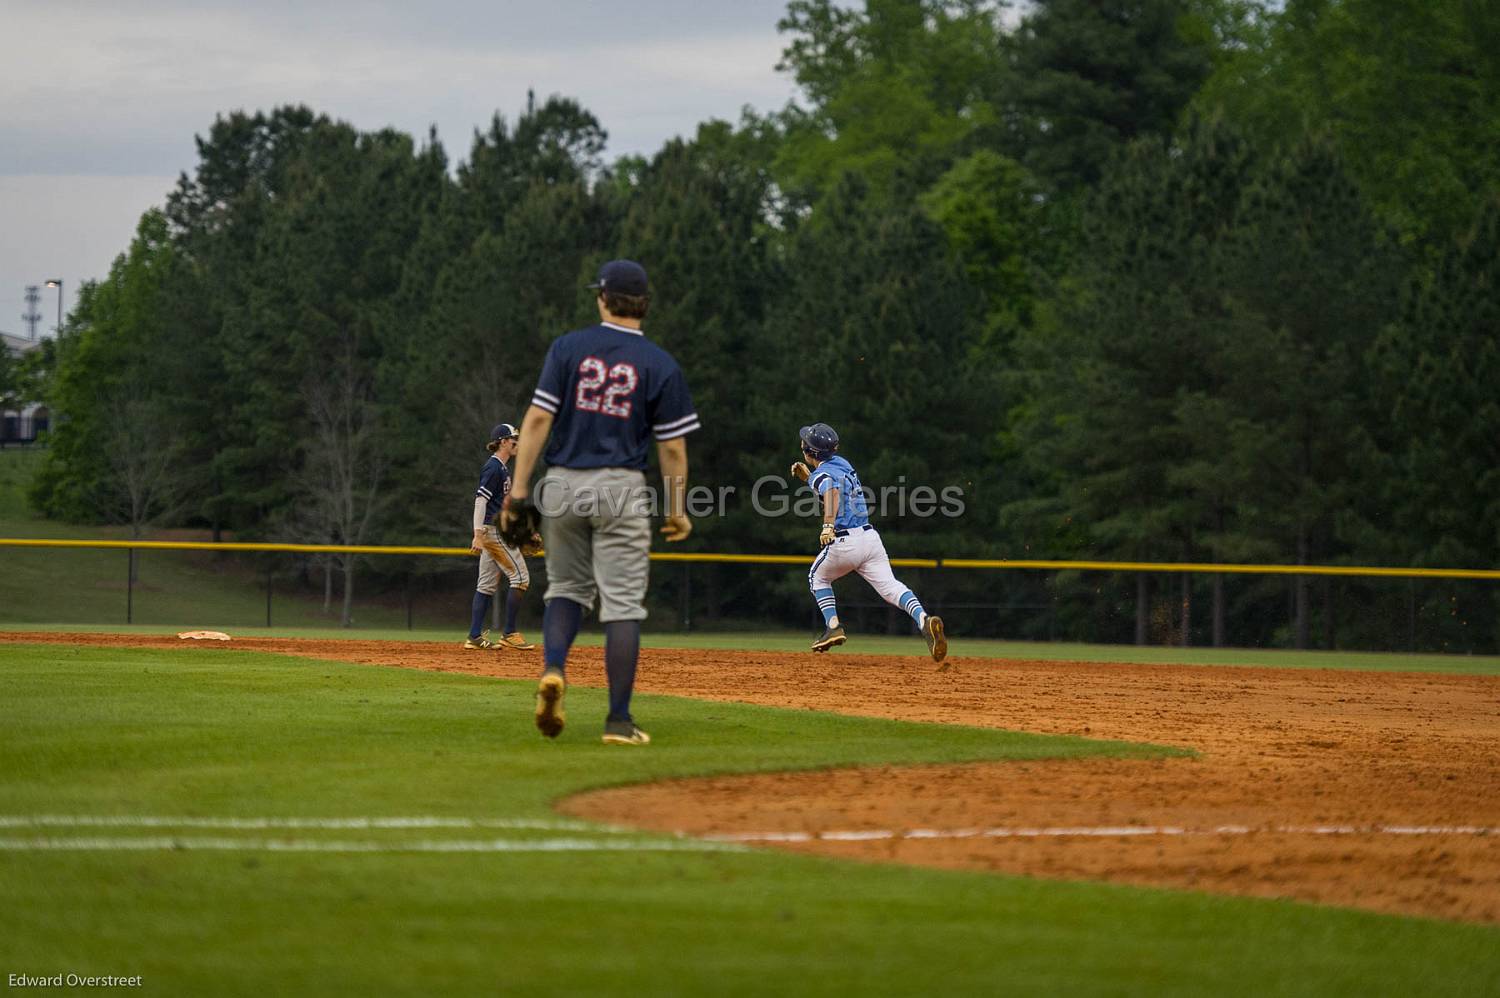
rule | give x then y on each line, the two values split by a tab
831	636
624	733
937	643
549	703
481	643
516	640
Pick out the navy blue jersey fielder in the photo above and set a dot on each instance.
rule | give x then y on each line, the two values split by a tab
610	390
604	393
496	558
494	486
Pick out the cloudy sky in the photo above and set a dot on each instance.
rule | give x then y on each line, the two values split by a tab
99	102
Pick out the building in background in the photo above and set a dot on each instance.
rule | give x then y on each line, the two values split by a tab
21	426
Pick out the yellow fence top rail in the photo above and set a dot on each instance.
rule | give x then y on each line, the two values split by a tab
1205	567
799	560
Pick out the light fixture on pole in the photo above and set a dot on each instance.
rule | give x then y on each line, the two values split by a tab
57	283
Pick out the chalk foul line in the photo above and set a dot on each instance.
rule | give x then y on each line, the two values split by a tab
333	824
608	838
191	843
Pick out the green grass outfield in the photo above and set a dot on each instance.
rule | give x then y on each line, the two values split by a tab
133	733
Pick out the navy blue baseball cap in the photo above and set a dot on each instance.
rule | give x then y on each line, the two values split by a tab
625	277
819	440
504	432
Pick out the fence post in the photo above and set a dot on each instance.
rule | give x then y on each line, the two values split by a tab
1218	578
408	599
129	585
1411	614
268	596
1187	609
687	596
1142	606
1330	625
1050	588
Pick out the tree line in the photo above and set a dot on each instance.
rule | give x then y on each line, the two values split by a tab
1155	280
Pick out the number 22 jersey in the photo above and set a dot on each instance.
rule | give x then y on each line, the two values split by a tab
610	390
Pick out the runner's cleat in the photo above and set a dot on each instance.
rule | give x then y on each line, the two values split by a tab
831	636
481	643
937	643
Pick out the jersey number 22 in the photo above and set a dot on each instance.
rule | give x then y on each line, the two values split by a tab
605	389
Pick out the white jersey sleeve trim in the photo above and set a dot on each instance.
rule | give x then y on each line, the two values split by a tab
679	431
542	400
674	424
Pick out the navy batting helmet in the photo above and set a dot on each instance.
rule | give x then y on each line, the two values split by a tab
819	440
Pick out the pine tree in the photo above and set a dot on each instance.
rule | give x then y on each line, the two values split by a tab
1321	275
1439	368
1091	75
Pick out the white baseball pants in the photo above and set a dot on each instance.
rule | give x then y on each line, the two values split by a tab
859	551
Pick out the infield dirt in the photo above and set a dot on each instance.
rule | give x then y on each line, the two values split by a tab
1276	749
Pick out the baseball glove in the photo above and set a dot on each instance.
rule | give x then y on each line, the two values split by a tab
518	522
533	546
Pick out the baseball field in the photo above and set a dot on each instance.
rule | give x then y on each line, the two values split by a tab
303	815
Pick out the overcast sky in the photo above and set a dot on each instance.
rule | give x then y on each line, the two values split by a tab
99	102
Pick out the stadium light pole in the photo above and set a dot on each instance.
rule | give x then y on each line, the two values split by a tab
57	283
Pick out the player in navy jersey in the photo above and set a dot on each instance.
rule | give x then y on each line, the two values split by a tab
605	391
850	544
495	556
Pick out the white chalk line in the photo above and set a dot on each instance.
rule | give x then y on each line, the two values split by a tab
610	841
1125	831
262	824
610	838
174	844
